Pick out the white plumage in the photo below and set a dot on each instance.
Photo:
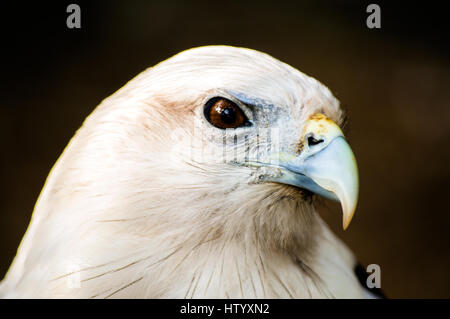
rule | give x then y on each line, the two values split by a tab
136	208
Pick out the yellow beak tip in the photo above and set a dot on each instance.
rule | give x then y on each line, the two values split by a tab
347	218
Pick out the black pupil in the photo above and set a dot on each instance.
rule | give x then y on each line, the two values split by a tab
228	115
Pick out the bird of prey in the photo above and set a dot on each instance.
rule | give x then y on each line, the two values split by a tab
198	179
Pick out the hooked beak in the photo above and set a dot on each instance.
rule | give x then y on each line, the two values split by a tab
326	165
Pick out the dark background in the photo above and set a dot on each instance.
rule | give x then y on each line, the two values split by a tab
394	83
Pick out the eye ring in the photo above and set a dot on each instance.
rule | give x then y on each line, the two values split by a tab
224	113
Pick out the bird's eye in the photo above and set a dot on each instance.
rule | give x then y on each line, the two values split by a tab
223	114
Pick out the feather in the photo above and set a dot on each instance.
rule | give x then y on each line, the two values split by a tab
141	204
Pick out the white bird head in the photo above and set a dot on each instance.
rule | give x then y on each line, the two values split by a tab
215	142
242	123
217	137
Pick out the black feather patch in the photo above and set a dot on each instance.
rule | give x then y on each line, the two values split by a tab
362	276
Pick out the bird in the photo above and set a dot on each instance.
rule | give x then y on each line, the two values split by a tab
199	178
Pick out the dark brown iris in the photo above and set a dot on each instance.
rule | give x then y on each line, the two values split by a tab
223	113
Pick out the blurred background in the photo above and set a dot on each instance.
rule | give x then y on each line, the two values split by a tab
394	82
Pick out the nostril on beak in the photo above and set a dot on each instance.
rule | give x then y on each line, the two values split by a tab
312	141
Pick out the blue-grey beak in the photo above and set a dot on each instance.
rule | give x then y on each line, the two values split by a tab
326	167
